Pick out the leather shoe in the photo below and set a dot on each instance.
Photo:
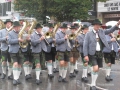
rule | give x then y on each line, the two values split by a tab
89	74
18	81
60	79
85	79
93	88
76	71
38	81
3	76
107	78
71	76
15	82
54	70
10	77
110	78
64	80
50	76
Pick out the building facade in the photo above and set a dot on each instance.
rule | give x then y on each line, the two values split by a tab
108	11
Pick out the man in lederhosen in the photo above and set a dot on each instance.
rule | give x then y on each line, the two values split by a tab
27	55
63	50
80	39
51	51
74	54
110	54
38	45
93	45
15	51
5	56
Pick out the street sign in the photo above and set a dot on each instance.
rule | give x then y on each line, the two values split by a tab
92	13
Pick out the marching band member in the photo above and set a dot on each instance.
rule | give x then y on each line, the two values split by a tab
93	45
51	52
27	55
15	52
63	50
5	56
74	54
38	45
80	39
110	54
76	67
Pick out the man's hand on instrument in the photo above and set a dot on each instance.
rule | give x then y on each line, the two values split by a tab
6	37
42	38
28	38
66	36
86	58
20	40
113	39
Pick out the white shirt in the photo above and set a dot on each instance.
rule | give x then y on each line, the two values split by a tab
97	44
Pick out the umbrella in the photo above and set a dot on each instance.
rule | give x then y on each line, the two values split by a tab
111	23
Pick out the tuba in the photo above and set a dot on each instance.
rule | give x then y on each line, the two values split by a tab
23	44
2	25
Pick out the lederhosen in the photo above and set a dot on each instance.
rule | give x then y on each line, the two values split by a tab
97	58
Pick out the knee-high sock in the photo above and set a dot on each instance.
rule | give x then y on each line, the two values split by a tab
84	74
108	70
38	70
15	73
54	64
61	70
64	72
49	67
9	70
30	69
4	69
26	69
72	67
76	65
94	78
19	71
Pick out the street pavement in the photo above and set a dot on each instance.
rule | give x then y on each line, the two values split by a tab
73	84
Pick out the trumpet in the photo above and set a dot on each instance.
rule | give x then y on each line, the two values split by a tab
2	25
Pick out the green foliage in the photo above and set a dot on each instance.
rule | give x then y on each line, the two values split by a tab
60	9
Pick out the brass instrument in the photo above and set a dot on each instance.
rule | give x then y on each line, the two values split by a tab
74	36
118	37
23	44
2	25
32	27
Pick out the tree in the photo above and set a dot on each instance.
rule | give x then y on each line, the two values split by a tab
60	9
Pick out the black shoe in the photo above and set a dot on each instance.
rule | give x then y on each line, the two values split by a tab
54	70
10	77
76	71
60	79
51	76
26	77
82	79
93	88
15	82
18	81
57	70
89	74
64	80
3	76
110	78
85	79
38	82
107	78
71	75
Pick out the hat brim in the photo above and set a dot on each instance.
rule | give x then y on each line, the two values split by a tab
7	21
97	24
63	27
